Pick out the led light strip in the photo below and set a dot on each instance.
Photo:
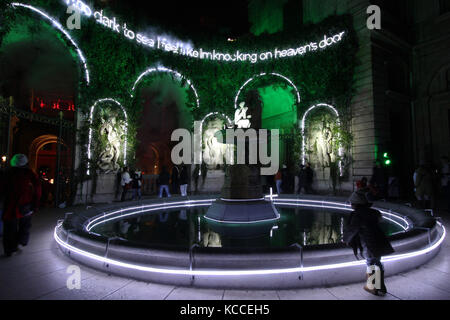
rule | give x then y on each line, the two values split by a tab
206	202
61	29
166	70
342	206
91	119
261	75
88	226
243	200
148	210
245	222
245	272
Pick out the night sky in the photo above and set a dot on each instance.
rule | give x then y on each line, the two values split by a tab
228	18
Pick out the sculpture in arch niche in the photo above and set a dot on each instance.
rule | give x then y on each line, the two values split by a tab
111	134
321	139
214	151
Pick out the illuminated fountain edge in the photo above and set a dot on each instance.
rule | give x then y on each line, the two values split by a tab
281	269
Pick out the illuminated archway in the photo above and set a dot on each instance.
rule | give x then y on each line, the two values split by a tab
58	26
262	75
91	118
37	145
165	70
340	151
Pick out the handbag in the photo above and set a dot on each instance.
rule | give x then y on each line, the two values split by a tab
26	210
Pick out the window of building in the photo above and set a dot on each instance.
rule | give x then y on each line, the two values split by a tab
447	78
444	6
397	78
394	8
448	123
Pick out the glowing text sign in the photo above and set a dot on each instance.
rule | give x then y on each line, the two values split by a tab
180	48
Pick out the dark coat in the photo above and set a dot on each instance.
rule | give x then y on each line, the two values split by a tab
184	179
309	175
22	190
363	232
302	178
164	178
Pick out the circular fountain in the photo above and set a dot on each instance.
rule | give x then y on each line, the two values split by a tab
240	239
173	242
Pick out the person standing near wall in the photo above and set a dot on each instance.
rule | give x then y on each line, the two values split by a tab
195	176
164	181
22	190
423	181
137	185
125	183
309	178
184	180
379	181
175	179
302	183
363	233
204	170
279	182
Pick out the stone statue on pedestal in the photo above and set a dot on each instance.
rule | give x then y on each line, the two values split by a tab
242	199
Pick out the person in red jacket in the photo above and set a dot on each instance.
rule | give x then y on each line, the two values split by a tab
22	190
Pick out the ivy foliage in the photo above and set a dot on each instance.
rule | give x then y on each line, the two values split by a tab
115	63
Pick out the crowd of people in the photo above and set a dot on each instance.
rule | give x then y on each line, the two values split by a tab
168	183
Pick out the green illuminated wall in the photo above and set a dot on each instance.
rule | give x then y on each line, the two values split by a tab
279	111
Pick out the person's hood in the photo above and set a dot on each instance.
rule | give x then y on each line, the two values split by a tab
19	160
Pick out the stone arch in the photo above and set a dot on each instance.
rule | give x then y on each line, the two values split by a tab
165	70
37	145
262	75
58	26
444	72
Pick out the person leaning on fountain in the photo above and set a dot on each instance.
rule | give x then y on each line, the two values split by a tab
363	233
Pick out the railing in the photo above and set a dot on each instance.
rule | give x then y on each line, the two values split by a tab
428	231
297	245
192	260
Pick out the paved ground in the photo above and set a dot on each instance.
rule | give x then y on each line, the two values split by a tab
39	272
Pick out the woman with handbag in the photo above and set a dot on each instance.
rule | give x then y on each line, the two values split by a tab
22	190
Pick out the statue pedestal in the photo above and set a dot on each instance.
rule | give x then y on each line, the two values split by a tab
242	182
242	200
106	188
242	211
213	182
